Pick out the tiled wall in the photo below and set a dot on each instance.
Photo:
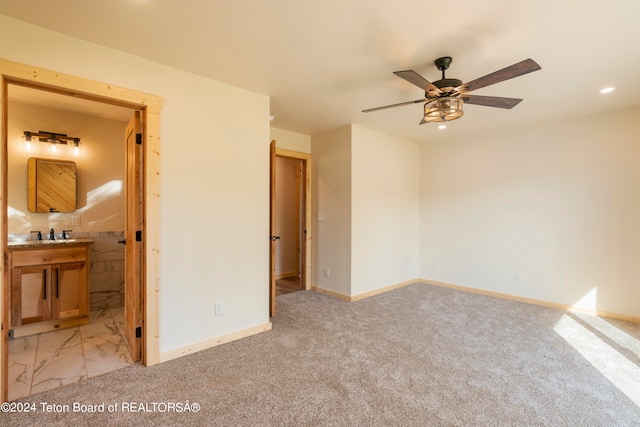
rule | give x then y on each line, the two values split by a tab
107	267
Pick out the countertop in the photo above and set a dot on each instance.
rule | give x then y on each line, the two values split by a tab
32	244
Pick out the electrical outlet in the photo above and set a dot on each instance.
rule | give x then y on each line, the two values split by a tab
219	308
326	272
518	278
75	220
435	266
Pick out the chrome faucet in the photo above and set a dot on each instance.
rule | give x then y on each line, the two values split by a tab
65	235
39	236
52	235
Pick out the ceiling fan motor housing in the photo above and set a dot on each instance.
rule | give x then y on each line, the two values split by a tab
453	83
446	85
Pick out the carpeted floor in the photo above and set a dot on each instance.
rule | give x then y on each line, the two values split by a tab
417	356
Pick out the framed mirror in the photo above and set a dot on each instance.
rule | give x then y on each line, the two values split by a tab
51	185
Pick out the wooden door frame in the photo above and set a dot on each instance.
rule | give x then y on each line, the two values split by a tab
298	222
305	274
150	105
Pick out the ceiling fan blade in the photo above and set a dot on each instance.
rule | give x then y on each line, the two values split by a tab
394	105
515	70
491	101
415	78
423	121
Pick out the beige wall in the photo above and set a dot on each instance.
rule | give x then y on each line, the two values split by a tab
385	210
332	199
557	203
213	228
367	188
291	140
100	169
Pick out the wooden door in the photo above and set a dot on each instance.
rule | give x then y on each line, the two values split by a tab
69	290
30	294
133	239
272	230
303	226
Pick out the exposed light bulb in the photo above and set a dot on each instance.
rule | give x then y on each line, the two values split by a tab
53	148
26	144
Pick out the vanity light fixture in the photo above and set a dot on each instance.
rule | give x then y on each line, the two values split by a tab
51	138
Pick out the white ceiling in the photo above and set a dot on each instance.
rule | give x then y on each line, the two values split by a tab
323	62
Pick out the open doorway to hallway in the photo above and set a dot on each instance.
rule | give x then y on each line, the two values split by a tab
290	223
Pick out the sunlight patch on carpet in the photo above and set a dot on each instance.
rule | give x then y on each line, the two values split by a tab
613	365
613	333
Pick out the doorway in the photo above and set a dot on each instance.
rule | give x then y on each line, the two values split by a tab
92	342
146	237
290	223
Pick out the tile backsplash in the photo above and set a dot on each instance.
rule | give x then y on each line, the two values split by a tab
106	288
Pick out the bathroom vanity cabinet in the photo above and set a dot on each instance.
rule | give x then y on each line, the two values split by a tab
49	286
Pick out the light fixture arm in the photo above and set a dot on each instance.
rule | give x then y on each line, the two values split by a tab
56	138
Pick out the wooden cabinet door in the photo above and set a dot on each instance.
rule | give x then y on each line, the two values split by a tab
69	290
30	294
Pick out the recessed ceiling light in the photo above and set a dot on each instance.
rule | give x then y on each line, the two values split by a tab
442	127
607	90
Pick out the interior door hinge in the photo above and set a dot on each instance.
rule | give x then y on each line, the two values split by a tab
138	331
139	236
138	138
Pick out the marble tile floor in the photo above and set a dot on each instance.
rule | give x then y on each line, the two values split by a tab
53	359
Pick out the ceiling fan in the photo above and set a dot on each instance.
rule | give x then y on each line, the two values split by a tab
444	98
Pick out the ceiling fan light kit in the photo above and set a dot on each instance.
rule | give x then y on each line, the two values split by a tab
443	110
444	98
